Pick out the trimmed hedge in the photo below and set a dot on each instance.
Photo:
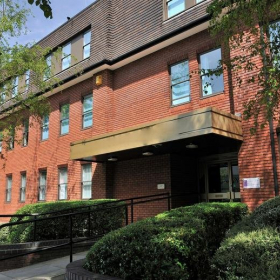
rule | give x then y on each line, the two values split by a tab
101	222
252	247
173	245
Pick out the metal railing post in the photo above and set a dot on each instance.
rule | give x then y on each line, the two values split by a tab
169	203
89	221
126	215
71	238
35	227
131	211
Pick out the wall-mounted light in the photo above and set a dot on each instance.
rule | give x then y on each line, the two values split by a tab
191	146
98	80
112	159
147	154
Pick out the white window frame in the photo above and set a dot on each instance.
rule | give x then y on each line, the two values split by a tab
42	189
62	119
47	72
15	87
62	184
86	183
86	44
45	124
27	80
9	183
22	194
25	133
89	111
66	56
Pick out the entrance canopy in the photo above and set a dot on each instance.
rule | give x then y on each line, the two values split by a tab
179	128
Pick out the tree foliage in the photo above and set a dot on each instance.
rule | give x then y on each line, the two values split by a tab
250	33
23	71
44	6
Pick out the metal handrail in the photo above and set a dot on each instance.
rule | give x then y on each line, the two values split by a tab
81	207
71	242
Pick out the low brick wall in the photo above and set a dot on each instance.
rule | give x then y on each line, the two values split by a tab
15	249
75	271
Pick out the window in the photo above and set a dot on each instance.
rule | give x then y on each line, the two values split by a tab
274	29
27	77
48	70
211	84
9	188
86	181
45	128
3	94
15	87
11	143
22	187
25	133
62	186
64	119
175	7
180	83
66	56
86	47
42	185
87	111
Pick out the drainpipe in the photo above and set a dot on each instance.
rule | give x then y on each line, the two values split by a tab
271	130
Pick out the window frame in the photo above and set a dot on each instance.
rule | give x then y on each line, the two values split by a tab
63	119
170	81
64	57
42	171
22	188
187	7
15	83
25	133
88	44
200	76
47	72
9	189
82	182
59	184
43	125
11	142
27	80
84	113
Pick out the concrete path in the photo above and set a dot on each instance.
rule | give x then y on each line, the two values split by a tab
49	270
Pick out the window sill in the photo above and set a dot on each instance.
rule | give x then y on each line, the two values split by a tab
212	95
86	128
61	135
44	140
175	106
7	202
39	201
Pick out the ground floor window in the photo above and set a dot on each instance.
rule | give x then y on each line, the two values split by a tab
62	186
42	185
22	186
86	181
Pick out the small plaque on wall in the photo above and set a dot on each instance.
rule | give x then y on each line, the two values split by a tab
161	186
251	183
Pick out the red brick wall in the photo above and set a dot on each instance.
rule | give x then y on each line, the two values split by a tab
134	94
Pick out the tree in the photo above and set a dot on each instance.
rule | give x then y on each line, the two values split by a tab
247	30
24	71
44	6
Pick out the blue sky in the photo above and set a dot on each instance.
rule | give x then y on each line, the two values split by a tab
38	26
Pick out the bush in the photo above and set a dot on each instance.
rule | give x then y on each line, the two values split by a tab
173	245
252	247
253	255
101	222
4	233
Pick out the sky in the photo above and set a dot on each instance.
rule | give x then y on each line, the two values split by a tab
38	26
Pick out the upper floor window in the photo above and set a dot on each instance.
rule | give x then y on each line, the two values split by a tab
274	29
66	56
64	119
211	83
47	73
9	188
87	111
62	186
86	181
86	47
180	83
22	186
42	185
45	128
1	141
175	7
25	133
15	87
3	94
27	79
11	143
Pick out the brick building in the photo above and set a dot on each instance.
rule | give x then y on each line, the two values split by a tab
135	122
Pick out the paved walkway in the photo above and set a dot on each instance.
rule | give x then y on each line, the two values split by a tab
49	270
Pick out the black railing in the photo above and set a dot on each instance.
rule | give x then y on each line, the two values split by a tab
129	203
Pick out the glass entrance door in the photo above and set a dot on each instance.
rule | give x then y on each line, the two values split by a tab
221	182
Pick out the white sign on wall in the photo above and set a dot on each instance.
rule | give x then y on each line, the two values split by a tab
251	183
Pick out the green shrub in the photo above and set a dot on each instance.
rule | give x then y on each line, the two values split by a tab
173	245
252	247
4	233
253	255
100	221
